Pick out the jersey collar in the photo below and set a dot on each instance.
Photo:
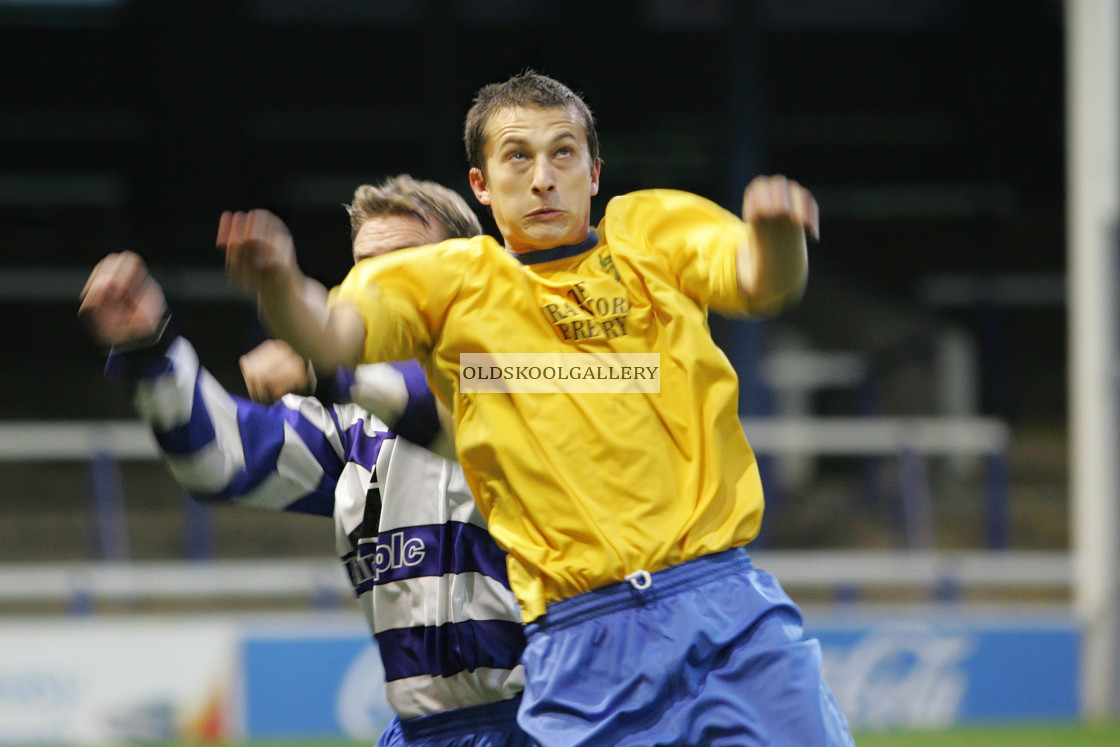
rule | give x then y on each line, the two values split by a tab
559	252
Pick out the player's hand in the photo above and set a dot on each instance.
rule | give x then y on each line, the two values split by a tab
273	369
782	200
260	254
121	302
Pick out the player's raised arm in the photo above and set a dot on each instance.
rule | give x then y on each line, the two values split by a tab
225	449
261	259
774	267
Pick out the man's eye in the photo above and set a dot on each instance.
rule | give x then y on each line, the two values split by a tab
565	151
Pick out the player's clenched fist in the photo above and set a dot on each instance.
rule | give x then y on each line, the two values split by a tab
121	302
779	198
260	255
273	369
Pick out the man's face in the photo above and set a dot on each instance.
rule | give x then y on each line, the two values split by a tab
539	178
388	233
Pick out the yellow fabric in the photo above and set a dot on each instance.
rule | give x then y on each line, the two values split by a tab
584	488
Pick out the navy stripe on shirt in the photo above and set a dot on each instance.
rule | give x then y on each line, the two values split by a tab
189	437
419	423
364	449
450	648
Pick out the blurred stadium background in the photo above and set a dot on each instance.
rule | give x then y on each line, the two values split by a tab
914	415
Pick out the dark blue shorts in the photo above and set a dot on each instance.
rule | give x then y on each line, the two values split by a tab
489	725
709	653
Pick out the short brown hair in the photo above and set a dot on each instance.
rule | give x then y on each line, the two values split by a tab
428	201
527	89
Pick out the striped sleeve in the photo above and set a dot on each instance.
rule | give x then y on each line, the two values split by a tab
224	448
397	393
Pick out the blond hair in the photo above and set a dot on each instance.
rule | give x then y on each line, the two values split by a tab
429	202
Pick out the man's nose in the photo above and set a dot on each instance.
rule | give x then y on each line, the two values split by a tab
543	177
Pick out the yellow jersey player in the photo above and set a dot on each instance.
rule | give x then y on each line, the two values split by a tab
624	514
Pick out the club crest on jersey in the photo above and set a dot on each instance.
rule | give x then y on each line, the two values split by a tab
380	559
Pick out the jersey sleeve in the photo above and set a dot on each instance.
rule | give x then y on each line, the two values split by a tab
403	297
397	393
698	239
223	448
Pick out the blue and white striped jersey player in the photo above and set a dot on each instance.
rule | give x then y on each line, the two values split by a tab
624	516
429	579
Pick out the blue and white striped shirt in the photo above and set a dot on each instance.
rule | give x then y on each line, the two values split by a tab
426	573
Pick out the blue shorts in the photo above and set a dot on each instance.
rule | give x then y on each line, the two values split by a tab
709	653
489	725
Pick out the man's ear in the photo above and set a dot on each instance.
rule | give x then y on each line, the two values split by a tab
595	167
478	185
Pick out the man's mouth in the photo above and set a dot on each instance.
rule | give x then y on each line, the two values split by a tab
545	213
